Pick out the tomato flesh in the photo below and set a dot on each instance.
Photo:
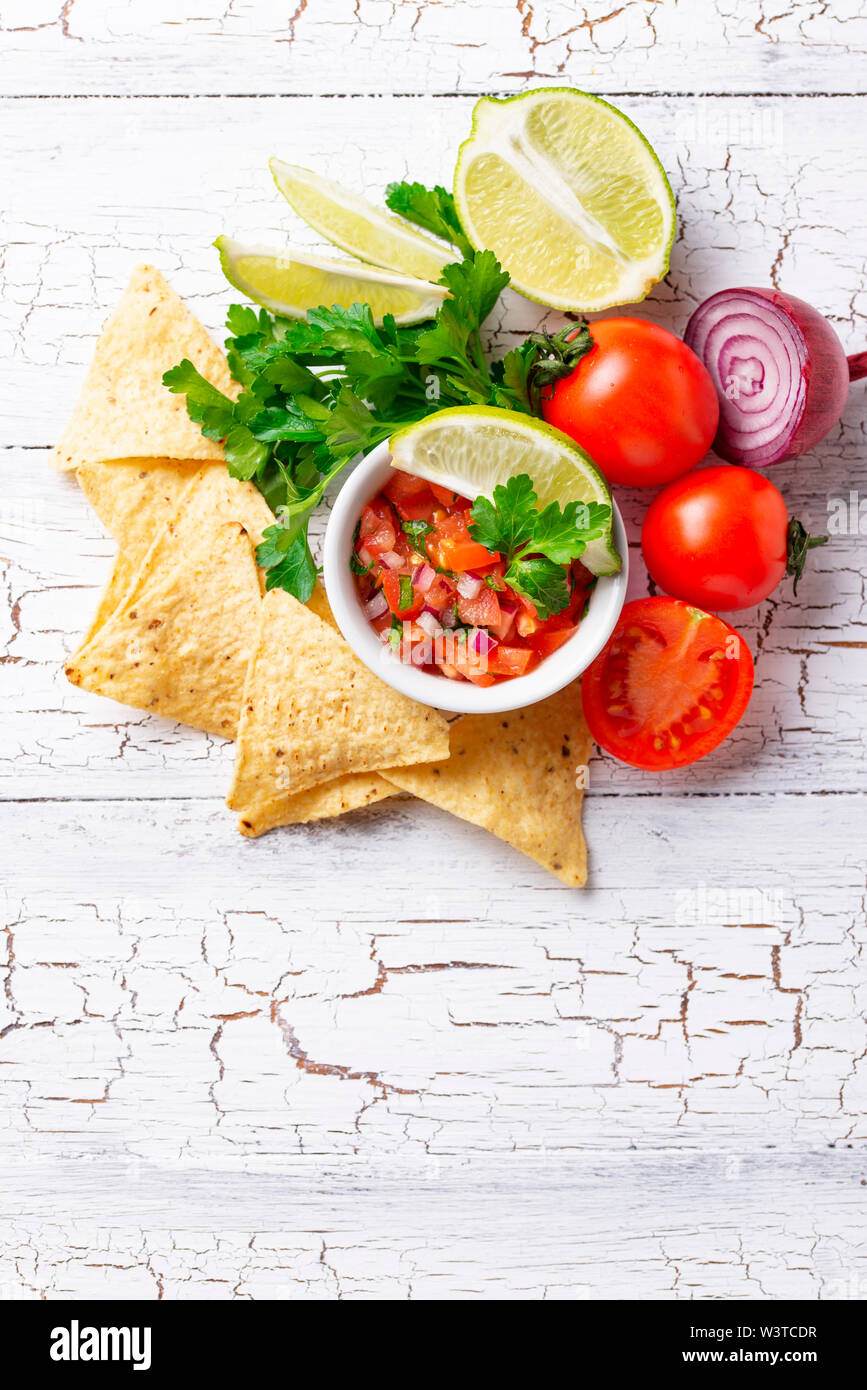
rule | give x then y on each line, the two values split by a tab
670	684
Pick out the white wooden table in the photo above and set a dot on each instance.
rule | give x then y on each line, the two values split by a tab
387	1056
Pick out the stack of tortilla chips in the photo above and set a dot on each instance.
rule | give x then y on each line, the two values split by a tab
184	628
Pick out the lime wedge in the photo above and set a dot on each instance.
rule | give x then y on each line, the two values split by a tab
291	282
357	226
569	196
470	449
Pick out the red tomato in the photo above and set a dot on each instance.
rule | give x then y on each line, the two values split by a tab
378	530
412	498
717	538
391	589
550	638
669	685
451	547
481	611
640	402
510	661
446	497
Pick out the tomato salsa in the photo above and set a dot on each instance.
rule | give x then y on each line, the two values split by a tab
440	598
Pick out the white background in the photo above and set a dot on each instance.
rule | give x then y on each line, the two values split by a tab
388	1056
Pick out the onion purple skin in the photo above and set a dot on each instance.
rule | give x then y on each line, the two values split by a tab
771	333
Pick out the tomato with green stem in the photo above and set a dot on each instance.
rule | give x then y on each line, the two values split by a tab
722	538
640	402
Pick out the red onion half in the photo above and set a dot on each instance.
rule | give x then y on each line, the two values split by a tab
780	372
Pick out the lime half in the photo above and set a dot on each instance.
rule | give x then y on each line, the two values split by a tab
357	226
470	449
291	282
569	196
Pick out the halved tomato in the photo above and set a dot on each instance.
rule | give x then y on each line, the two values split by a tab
669	685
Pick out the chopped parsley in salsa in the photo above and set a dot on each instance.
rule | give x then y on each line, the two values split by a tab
447	603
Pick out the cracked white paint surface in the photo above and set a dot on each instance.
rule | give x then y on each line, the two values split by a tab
289	1068
311	46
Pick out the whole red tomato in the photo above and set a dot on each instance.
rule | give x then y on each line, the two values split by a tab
717	538
640	402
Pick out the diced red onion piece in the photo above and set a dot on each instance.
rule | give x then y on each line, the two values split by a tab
365	557
428	622
481	642
423	576
391	560
375	607
447	617
468	586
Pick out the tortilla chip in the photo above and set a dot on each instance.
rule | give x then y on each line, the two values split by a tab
134	500
180	642
313	712
333	798
348	793
124	411
515	775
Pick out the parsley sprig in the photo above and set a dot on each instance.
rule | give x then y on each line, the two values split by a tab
317	392
538	546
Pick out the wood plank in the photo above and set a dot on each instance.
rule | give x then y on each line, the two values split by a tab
520	1227
131	46
175	993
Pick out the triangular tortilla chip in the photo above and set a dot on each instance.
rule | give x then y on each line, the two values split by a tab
180	642
333	798
313	712
134	500
137	501
515	774
124	411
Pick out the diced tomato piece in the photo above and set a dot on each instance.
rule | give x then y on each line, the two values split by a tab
502	629
391	589
547	640
402	487
510	661
440	593
447	498
378	530
451	546
421	508
481	611
526	623
412	498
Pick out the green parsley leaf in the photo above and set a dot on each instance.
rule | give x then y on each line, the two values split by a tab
476	284
563	535
506	524
293	570
542	582
245	455
431	208
416	530
406	598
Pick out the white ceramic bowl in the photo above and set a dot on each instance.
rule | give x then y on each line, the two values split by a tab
557	670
